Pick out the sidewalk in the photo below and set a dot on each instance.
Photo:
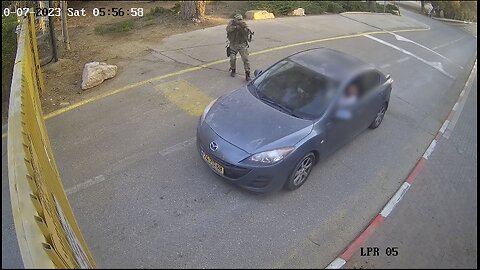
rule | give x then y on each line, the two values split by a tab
435	225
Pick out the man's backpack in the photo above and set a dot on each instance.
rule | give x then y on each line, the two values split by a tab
245	33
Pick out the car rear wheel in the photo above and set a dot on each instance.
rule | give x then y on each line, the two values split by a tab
378	119
301	172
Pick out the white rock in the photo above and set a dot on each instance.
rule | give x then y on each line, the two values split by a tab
298	12
259	15
94	73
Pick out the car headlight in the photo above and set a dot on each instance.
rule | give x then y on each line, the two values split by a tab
209	106
272	156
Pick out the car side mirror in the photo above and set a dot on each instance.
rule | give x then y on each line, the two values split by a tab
343	114
257	72
388	79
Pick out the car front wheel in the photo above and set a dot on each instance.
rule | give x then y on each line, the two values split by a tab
301	172
378	119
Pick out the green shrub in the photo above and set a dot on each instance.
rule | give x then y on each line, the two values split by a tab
355	6
315	9
283	8
118	27
335	7
391	8
278	8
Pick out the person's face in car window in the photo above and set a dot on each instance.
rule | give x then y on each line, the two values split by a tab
352	91
350	97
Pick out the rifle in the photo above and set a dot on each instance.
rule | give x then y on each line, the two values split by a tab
250	35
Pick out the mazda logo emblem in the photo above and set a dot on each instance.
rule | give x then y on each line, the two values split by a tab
213	146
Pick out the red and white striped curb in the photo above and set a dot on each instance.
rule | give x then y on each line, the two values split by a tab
353	247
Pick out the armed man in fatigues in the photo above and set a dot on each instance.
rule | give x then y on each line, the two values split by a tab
238	35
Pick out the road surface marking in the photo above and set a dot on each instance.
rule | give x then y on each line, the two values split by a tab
430	149
416	171
177	147
401	38
86	184
435	65
409	30
185	96
455	107
336	264
444	126
448	43
360	240
401	60
101	178
119	90
314	41
384	66
395	200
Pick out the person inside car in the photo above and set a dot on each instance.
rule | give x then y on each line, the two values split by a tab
350	97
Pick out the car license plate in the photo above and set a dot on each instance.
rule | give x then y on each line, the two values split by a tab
217	167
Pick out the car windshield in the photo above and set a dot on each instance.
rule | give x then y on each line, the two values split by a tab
294	89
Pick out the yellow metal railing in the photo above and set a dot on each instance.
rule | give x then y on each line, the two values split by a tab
47	232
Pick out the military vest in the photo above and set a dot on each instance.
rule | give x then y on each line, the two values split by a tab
238	36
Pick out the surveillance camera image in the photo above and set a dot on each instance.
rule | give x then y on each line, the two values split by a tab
239	134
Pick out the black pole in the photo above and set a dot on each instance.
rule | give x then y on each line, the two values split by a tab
52	33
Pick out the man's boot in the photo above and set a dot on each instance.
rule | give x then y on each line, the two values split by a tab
247	76
232	72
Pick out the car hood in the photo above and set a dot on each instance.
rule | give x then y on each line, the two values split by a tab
249	124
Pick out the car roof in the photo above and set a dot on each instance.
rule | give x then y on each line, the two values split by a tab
331	63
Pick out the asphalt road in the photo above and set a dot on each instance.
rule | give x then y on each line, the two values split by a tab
144	198
435	225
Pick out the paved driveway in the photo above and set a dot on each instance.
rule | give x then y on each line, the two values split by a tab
144	198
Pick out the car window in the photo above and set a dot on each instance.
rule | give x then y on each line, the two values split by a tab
296	89
370	80
365	82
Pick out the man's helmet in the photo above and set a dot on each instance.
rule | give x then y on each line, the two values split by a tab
238	17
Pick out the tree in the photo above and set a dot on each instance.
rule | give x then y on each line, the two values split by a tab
372	5
469	10
193	10
460	10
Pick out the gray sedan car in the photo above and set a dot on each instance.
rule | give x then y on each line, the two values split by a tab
271	132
